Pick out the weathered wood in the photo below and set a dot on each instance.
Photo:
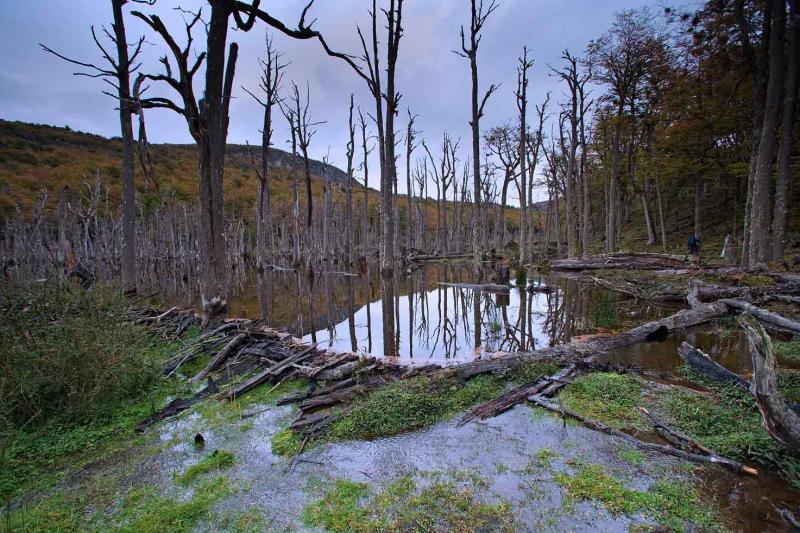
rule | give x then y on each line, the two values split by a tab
768	317
674	436
508	400
703	364
730	464
778	418
621	261
218	359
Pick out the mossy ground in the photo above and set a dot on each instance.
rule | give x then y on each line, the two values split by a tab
674	505
413	404
403	505
215	461
722	417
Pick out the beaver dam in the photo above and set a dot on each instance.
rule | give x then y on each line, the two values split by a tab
589	400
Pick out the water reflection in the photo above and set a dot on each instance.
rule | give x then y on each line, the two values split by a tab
414	317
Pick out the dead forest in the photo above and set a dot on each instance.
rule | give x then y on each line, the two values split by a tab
594	299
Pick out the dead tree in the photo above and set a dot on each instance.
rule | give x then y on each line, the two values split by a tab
365	167
575	83
502	143
269	84
478	16
521	94
142	144
351	149
782	423
370	72
117	74
410	139
304	130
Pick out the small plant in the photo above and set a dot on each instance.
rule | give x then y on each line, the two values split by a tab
605	396
605	316
286	443
218	460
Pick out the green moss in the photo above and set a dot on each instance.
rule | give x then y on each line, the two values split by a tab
286	443
408	405
789	384
729	423
218	460
440	506
607	397
531	371
674	505
629	455
145	511
788	352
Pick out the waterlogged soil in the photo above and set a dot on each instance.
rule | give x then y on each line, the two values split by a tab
515	458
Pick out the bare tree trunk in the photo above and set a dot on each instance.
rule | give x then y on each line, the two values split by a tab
348	200
785	149
522	106
126	126
698	201
365	221
661	215
613	214
759	220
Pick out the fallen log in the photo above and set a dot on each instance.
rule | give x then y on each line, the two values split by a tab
730	464
768	317
674	436
703	364
218	359
508	400
779	419
620	261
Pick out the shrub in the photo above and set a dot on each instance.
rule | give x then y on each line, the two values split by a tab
69	352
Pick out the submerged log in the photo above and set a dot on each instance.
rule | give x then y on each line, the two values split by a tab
703	364
779	419
730	464
487	287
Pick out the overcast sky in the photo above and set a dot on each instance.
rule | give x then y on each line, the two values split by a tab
434	82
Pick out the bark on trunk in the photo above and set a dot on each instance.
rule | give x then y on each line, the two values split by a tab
785	149
758	251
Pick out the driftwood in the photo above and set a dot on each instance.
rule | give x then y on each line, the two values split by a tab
674	436
510	399
730	464
779	419
218	359
703	364
437	257
773	320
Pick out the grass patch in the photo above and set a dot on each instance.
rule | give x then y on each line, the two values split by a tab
729	423
788	352
674	504
409	405
531	371
142	510
605	316
218	460
605	396
441	506
71	392
145	511
286	443
632	456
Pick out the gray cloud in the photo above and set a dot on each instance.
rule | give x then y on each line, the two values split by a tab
434	82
